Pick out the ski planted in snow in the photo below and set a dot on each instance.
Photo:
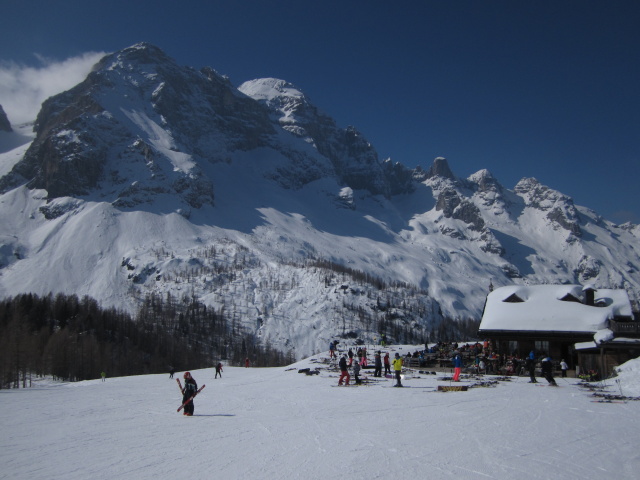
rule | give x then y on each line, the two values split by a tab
191	398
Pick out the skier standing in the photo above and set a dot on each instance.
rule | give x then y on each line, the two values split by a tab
397	367
457	366
189	389
531	366
363	360
377	372
356	373
564	367
344	373
218	370
387	367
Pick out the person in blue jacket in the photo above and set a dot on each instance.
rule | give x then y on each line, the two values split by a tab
457	366
531	366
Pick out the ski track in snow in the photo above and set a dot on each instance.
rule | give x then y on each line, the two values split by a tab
276	423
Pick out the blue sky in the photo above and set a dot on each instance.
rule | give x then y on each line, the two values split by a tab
544	89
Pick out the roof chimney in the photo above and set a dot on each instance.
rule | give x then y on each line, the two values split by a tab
589	295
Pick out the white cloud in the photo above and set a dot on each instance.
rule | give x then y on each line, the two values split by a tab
24	88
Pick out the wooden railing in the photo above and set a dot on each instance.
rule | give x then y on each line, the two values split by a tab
629	328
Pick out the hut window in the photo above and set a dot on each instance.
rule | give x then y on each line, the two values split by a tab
513	298
570	298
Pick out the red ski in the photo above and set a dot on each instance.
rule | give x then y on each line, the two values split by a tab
192	397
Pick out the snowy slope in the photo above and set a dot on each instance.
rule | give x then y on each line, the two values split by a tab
149	177
277	423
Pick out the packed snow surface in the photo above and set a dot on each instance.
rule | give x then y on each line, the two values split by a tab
278	423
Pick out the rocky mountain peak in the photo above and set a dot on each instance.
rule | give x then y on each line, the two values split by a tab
484	180
440	168
131	58
5	125
559	208
352	157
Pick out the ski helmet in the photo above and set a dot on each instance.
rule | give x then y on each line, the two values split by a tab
186	375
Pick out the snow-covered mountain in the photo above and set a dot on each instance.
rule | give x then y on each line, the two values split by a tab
150	177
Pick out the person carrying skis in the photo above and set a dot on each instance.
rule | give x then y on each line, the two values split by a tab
218	370
189	389
344	373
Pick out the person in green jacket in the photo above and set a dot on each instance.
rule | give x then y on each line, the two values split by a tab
397	367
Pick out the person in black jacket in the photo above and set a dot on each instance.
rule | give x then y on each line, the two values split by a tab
377	372
356	373
344	373
189	389
547	371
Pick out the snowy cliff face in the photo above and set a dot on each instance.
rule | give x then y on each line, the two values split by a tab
151	178
353	159
137	128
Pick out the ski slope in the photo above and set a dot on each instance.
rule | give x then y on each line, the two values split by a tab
278	423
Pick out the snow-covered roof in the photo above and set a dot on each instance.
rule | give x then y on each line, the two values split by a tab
552	308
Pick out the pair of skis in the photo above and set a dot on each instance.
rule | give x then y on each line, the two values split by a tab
190	398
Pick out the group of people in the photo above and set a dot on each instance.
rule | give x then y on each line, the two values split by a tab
379	361
485	362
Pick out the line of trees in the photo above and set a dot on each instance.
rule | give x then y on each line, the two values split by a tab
75	339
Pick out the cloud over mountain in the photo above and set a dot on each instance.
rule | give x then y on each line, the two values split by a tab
23	88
